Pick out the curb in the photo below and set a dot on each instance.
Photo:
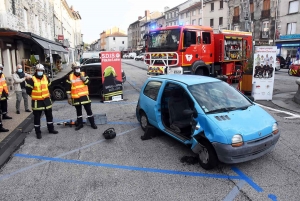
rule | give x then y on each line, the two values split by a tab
15	139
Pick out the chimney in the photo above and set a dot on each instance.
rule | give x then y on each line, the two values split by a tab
147	15
140	17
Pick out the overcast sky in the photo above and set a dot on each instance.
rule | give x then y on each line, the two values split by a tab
99	15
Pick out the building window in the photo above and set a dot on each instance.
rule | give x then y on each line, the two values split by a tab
186	22
13	6
182	16
265	31
236	28
200	21
173	14
220	20
199	12
266	5
221	4
251	8
176	13
212	22
194	12
122	42
291	28
293	7
187	14
25	19
194	22
212	7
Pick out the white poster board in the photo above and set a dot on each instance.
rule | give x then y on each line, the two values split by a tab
263	72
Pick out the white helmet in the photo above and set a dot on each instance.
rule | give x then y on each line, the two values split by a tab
39	67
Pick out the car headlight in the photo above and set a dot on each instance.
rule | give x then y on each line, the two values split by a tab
275	128
237	140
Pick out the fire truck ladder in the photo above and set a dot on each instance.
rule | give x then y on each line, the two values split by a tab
166	58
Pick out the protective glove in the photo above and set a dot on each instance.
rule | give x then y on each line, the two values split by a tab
82	78
70	101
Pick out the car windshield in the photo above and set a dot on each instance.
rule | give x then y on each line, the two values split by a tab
164	40
215	97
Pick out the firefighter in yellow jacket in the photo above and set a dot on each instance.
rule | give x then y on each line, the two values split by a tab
4	96
78	95
37	88
1	126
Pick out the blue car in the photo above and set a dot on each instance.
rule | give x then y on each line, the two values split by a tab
213	118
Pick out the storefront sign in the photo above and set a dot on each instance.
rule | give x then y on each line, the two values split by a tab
263	72
288	37
111	76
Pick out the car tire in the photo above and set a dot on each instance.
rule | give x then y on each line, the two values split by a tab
143	121
58	94
207	156
290	72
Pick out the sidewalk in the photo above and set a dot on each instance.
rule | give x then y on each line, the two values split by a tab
20	124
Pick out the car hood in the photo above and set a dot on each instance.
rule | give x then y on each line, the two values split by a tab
251	123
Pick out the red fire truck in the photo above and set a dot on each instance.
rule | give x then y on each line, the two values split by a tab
196	50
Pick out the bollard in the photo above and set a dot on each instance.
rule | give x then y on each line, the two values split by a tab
296	98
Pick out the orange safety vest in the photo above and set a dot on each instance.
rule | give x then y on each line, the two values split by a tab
40	89
78	88
3	83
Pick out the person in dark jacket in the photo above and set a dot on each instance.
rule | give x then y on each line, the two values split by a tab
78	95
37	88
288	61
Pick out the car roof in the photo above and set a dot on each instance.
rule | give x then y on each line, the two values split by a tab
187	79
92	64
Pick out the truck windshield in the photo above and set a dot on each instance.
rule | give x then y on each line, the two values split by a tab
164	40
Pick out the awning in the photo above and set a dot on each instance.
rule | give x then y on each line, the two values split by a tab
55	48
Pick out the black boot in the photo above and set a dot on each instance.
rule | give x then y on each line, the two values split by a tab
92	121
79	124
51	128
3	129
38	132
4	116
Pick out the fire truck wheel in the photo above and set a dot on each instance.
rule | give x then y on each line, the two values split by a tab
199	72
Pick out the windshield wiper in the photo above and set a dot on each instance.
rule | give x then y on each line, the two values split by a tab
225	109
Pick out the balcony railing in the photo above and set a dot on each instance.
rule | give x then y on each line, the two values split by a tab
265	13
236	19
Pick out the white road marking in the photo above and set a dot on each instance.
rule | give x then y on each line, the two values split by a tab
292	115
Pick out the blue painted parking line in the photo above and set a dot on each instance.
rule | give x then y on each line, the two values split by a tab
117	102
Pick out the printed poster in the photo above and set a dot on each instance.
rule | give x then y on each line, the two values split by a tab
263	72
111	76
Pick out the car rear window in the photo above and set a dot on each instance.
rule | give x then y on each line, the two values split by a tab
152	89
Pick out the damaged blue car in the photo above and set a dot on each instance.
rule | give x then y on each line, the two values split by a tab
216	120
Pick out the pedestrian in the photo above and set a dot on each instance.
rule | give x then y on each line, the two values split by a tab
4	95
19	84
1	126
78	95
37	88
288	61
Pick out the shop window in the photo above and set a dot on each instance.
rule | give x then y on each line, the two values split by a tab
293	6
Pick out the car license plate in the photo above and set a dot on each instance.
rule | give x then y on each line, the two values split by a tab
177	71
116	98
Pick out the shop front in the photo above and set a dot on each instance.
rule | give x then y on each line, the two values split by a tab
288	45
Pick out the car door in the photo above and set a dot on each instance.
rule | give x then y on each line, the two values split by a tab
189	53
94	74
151	101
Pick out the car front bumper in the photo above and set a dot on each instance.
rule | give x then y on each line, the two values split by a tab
248	151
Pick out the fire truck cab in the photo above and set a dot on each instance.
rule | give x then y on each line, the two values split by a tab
196	50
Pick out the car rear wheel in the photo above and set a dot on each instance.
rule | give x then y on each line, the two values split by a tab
143	120
290	72
207	156
58	94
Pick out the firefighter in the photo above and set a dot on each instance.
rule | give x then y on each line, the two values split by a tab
4	95
78	95
37	89
1	126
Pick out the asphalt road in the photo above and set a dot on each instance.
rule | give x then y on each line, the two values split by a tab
82	165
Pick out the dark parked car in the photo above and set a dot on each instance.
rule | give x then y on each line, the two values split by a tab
281	61
93	71
91	60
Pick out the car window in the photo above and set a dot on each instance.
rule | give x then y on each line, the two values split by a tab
93	71
152	89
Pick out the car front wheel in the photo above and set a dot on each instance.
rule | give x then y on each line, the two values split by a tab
207	156
58	94
143	120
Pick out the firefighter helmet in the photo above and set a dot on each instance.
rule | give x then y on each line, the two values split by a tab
109	71
75	64
40	67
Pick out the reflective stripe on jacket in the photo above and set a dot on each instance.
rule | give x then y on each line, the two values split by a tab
3	86
78	88
40	88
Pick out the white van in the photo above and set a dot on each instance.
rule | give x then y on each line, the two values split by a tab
132	55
